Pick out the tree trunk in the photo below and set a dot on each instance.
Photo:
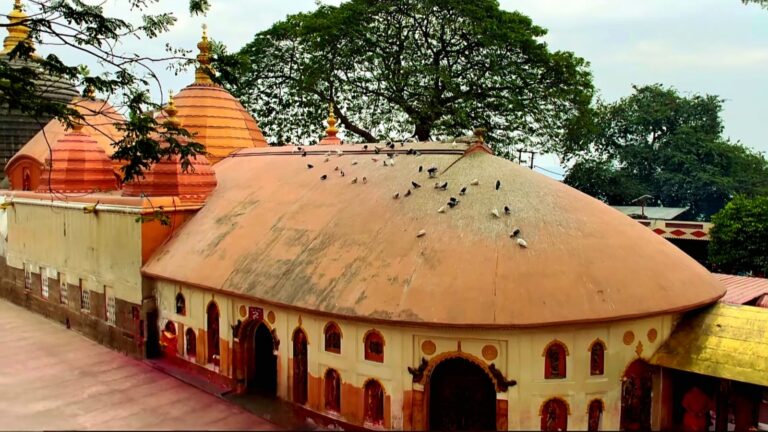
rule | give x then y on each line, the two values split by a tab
348	125
423	131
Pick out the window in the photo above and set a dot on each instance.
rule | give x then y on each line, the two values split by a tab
85	298
554	360
44	283
597	358
333	338
595	415
27	278
62	289
213	333
111	318
181	304
374	402
332	391
191	342
374	346
554	415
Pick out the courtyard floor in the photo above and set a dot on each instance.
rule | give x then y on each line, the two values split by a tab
54	378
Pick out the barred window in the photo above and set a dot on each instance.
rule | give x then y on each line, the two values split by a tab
111	309
85	298
44	283
63	289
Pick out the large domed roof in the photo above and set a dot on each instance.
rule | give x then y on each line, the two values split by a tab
276	232
17	128
77	164
213	115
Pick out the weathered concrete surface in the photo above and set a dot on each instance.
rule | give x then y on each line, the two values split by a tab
54	378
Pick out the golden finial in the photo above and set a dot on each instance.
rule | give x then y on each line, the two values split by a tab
17	32
204	69
90	93
171	111
480	134
332	130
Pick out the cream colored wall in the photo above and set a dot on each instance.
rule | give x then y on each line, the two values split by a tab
519	355
101	249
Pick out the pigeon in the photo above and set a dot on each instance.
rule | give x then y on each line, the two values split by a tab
391	162
407	194
495	212
354	162
442	186
354	180
453	202
475	182
441	209
421	168
396	195
365	147
498	184
390	155
515	232
304	153
391	145
326	159
337	168
507	210
376	149
323	177
310	166
421	233
342	173
463	190
415	185
410	152
339	152
417	153
522	243
432	171
365	180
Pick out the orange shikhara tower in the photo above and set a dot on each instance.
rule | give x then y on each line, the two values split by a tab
330	133
78	164
167	177
215	118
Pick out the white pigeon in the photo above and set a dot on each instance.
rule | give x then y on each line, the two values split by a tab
522	243
495	212
421	233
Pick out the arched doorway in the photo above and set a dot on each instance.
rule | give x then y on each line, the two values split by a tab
461	397
299	367
213	332
262	370
636	389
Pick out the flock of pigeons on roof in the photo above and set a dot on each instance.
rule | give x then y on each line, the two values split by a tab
432	172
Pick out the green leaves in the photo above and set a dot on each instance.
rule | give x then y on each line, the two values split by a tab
396	68
659	143
739	237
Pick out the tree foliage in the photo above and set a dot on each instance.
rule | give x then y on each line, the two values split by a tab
763	3
427	68
739	237
659	143
126	77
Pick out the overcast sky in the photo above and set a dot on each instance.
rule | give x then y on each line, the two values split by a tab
698	46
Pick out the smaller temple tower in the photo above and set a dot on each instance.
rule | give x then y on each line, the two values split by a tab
330	133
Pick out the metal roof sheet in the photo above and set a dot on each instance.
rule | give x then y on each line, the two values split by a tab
742	289
664	213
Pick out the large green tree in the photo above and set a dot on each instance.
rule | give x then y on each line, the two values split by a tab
763	3
657	142
126	77
423	68
739	237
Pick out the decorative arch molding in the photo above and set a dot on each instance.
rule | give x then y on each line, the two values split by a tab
299	328
555	342
594	342
335	325
558	398
497	378
598	400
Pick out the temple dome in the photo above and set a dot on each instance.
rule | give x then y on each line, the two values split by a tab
215	117
16	128
168	178
77	164
293	238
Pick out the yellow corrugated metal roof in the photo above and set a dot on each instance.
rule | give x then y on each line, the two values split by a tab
725	341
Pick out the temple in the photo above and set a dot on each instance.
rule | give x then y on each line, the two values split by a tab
409	286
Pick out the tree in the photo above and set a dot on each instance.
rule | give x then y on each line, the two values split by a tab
763	3
659	143
426	68
739	237
126	77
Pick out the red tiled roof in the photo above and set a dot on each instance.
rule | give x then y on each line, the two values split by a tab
742	289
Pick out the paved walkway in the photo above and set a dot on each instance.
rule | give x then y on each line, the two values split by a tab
54	378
